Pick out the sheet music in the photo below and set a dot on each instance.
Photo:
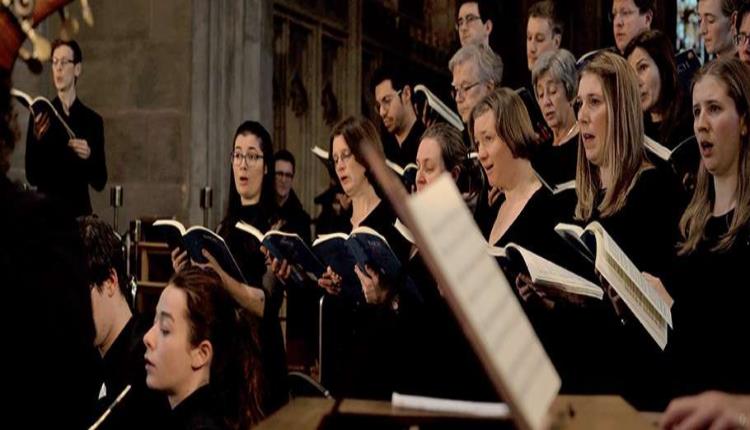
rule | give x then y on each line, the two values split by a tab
435	404
642	299
547	271
485	300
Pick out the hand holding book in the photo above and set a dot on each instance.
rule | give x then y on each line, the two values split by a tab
80	147
330	281
179	259
374	292
280	268
41	124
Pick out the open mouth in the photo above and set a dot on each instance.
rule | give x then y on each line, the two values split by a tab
706	148
549	115
588	139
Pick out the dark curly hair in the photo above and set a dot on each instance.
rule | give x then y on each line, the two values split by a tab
104	253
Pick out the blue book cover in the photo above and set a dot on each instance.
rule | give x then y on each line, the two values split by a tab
333	251
370	248
197	238
290	247
362	247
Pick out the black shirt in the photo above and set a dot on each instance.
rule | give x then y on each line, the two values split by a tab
55	168
646	228
711	290
50	380
533	229
434	356
251	260
293	218
406	152
198	411
670	132
123	365
626	359
557	164
359	343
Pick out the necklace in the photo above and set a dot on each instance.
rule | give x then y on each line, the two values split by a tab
572	129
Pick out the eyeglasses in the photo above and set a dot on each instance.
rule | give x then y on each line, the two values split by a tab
61	61
344	157
468	19
251	159
741	38
624	13
286	175
463	89
386	101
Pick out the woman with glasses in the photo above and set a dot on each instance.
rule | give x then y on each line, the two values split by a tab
251	200
428	338
359	355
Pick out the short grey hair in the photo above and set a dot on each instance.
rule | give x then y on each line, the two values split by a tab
489	64
561	66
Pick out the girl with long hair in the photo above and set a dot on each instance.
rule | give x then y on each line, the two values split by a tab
710	280
202	352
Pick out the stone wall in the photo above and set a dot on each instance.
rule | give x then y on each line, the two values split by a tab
136	74
172	79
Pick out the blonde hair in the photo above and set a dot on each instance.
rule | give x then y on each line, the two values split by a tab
624	153
735	77
512	122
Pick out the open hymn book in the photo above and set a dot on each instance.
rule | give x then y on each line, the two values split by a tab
39	105
542	272
484	302
197	238
596	245
545	273
684	158
290	247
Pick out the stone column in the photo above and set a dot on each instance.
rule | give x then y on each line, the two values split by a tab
231	82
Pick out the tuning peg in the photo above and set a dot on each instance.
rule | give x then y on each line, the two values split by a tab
42	47
88	16
34	65
20	8
69	25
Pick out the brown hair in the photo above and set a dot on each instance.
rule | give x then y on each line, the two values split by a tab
512	122
546	9
735	76
357	131
236	374
624	153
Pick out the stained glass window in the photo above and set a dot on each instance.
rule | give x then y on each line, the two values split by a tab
688	27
